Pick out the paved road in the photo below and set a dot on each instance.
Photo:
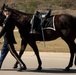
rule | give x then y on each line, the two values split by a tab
53	64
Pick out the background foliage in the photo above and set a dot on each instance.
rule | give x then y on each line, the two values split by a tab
32	5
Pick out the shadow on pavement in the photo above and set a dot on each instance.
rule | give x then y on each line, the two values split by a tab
52	70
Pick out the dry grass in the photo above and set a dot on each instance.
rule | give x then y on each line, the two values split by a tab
32	5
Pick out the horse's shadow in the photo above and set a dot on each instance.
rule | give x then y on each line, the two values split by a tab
51	70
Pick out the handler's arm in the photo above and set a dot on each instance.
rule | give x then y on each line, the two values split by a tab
2	31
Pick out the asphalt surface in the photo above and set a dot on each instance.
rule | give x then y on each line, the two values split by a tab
52	63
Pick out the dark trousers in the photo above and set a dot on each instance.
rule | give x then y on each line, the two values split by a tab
4	52
15	54
6	47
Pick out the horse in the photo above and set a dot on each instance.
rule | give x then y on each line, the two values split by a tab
62	21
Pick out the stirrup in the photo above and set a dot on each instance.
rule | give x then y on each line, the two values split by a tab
32	31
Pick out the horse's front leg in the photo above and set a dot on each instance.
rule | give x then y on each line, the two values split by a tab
34	46
23	46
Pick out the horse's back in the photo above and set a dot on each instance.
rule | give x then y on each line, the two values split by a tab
65	21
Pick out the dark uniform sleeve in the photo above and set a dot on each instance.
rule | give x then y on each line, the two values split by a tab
3	28
2	31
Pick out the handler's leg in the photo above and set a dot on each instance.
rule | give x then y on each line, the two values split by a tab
4	52
14	53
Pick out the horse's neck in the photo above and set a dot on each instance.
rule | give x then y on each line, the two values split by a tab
21	16
23	27
23	20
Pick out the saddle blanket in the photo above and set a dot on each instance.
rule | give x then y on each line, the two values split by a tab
50	23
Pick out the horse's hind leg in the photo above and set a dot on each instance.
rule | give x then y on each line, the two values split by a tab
23	46
75	56
72	48
70	62
34	46
75	59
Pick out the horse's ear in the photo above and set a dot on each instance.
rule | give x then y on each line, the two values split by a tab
6	5
3	6
37	13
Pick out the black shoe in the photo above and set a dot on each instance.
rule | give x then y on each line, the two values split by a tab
0	66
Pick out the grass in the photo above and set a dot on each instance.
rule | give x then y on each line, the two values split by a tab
32	5
57	45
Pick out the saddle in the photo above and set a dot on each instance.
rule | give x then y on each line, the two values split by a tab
48	21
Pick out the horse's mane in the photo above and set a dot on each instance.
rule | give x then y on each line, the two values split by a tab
20	16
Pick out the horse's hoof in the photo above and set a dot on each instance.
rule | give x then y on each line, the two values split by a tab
22	68
39	68
66	69
15	66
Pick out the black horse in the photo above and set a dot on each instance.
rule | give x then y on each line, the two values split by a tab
65	26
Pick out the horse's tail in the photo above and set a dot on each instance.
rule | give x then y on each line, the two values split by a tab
75	21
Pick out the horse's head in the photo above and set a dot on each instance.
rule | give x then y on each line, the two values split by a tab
2	17
3	10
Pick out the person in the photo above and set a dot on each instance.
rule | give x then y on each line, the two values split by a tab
5	48
7	30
